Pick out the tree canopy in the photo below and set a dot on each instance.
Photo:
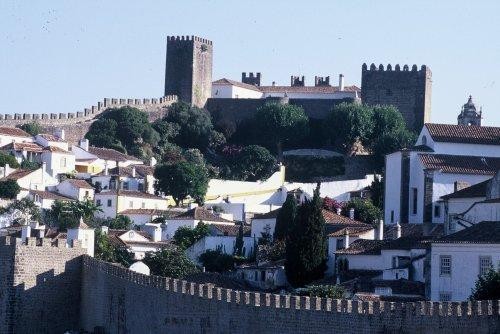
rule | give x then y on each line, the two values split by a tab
170	263
285	218
9	189
280	123
6	158
216	261
250	163
186	236
182	179
33	128
487	286
364	210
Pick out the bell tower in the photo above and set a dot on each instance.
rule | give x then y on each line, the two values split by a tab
469	114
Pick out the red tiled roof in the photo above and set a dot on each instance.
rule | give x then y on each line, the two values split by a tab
487	232
150	212
78	183
129	193
469	134
50	137
56	149
459	164
225	81
110	154
476	190
140	170
14	132
230	230
51	195
29	147
18	174
200	213
364	247
268	215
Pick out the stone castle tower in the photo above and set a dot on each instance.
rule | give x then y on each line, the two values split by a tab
469	114
408	90
188	71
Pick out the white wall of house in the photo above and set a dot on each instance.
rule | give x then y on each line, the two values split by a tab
312	95
140	219
66	188
465	266
174	224
44	142
259	226
111	204
37	180
229	91
6	139
417	267
107	203
85	236
332	248
226	243
58	163
483	211
364	262
392	198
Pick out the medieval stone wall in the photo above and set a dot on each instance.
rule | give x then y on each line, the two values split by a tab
40	285
408	90
116	300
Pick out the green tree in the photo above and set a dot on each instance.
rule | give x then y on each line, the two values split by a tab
170	263
285	218
120	222
182	179
252	163
349	123
6	158
306	246
377	192
85	209
31	165
102	133
391	142
487	286
238	244
280	123
30	210
186	236
323	291
216	261
9	189
60	215
364	210
33	128
386	119
104	250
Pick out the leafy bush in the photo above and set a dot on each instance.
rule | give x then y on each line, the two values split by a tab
33	128
170	263
6	158
120	222
216	261
323	291
106	251
186	236
9	189
364	210
312	168
487	287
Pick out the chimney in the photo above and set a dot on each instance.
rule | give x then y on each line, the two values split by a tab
153	162
133	171
84	144
60	133
341	82
106	168
157	234
351	213
41	233
104	229
398	231
339	211
273	83
25	232
380	230
346	239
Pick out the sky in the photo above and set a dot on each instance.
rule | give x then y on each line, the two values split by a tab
64	56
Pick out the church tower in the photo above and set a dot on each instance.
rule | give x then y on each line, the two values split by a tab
469	114
188	70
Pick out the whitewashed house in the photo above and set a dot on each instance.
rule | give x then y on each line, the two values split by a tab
192	218
27	180
45	199
444	156
264	223
459	258
114	202
9	135
58	160
75	188
143	216
139	243
53	140
266	276
133	177
24	151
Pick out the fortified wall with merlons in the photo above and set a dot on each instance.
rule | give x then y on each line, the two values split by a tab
50	288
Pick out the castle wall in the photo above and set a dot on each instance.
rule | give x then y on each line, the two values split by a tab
40	286
121	301
408	90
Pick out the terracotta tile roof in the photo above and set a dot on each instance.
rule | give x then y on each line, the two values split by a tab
18	174
14	132
225	81
337	225
150	212
29	147
56	149
50	195
412	230
200	213
459	164
469	134
229	230
78	183
114	238
364	247
333	218
129	193
476	190
110	154
307	89
268	215
487	232
354	231
140	170
50	137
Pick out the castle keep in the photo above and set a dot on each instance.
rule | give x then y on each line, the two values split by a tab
408	90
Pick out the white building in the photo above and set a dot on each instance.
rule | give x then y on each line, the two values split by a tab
75	188
143	216
37	179
24	151
132	177
114	202
444	156
267	276
84	234
459	258
58	160
9	135
136	242
45	199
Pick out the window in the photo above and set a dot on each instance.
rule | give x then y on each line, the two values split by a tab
392	216
125	185
437	210
63	162
394	261
445	296
110	202
445	265
131	204
414	201
86	193
424	140
98	202
485	264
143	205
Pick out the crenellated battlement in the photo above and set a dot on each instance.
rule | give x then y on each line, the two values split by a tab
39	242
275	301
188	39
397	68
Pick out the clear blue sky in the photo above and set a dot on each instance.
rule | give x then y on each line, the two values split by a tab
62	56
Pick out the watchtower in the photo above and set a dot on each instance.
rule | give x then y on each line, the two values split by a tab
408	90
296	81
188	70
251	79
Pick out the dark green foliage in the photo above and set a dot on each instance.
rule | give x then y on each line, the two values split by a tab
31	165
323	291
391	142
186	236
251	163
66	215
310	168
487	287
170	263
285	218
120	222
105	251
33	128
364	210
182	179
238	244
6	158
9	189
216	261
377	192
27	207
278	124
306	246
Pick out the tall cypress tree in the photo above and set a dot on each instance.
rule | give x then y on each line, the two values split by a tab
285	218
306	249
238	245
